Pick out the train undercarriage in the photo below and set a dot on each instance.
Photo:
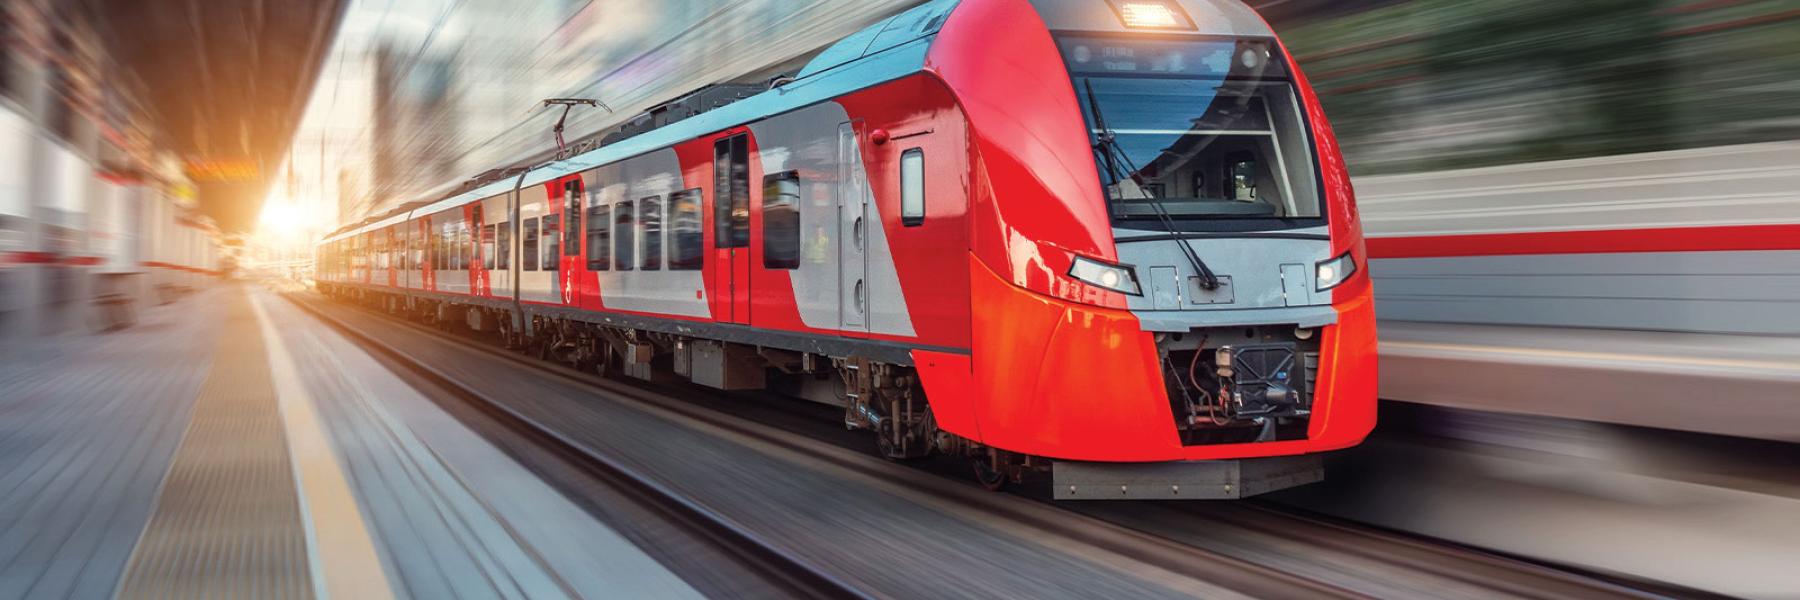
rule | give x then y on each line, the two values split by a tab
1261	395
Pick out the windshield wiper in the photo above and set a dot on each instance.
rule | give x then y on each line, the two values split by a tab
1112	155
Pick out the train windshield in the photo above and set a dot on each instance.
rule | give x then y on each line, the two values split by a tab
1204	134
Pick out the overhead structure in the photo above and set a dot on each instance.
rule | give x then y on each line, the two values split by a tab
225	82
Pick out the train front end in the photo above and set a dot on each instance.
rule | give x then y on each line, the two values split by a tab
1171	298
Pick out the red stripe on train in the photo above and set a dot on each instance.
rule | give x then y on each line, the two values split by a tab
1673	239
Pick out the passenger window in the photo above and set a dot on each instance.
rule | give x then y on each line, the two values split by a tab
599	238
686	240
781	221
504	243
528	246
552	242
731	192
650	218
623	240
912	187
487	247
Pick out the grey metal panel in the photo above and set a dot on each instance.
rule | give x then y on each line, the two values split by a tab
806	140
1719	292
1212	17
495	211
854	199
1191	480
1184	320
1253	264
663	291
1165	289
534	286
1296	285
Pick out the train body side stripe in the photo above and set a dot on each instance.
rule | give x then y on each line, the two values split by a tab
1672	239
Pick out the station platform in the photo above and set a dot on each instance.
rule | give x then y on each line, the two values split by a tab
229	446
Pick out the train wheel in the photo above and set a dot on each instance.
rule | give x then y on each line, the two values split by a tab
990	476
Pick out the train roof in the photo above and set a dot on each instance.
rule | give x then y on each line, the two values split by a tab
890	49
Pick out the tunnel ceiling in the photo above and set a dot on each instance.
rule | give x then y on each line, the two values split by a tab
221	80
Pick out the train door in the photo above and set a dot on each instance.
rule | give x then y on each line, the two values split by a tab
731	227
480	243
853	223
572	265
427	253
390	248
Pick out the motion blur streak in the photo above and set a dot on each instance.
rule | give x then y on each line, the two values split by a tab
416	93
1608	178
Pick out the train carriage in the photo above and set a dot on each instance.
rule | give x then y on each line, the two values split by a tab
1111	239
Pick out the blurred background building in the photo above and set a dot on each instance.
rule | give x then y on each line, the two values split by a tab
1426	85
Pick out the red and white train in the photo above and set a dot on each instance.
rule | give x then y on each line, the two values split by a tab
1113	239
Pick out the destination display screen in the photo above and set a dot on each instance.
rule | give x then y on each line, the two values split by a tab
1092	55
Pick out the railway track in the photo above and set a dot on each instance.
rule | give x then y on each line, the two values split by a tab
1172	538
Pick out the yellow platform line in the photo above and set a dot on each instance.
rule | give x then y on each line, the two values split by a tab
344	561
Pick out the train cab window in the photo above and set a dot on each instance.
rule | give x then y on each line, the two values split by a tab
650	220
503	244
623	240
731	192
552	242
1200	135
781	221
528	246
599	237
686	251
572	207
912	187
487	247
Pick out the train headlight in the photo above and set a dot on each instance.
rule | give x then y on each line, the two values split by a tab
1152	14
1336	271
1118	278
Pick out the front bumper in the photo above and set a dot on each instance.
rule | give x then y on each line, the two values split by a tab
1070	381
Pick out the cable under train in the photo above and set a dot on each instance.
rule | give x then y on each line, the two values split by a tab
1110	240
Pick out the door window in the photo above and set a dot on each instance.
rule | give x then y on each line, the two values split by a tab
731	192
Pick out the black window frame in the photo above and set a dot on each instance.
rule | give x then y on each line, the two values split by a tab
487	246
687	244
599	237
776	212
731	192
503	244
912	220
650	216
528	245
624	238
465	248
551	229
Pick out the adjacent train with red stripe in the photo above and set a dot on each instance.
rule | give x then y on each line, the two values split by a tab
1113	240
